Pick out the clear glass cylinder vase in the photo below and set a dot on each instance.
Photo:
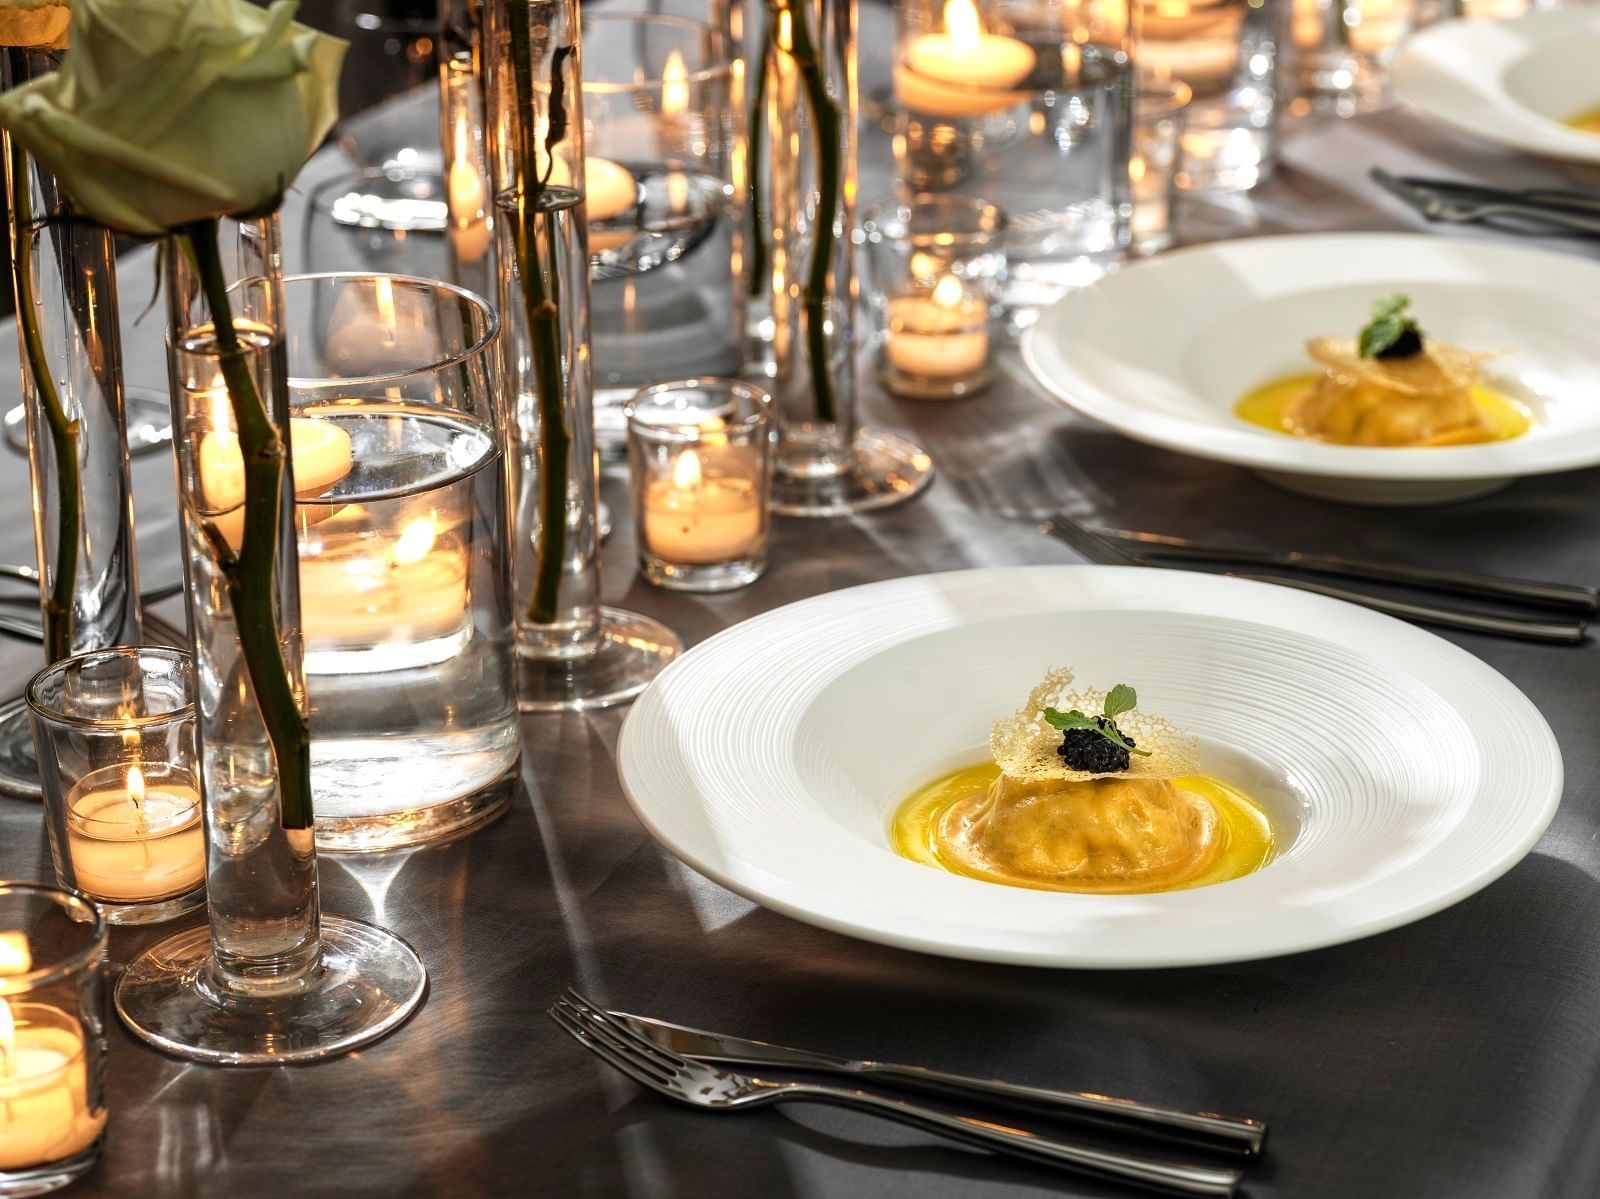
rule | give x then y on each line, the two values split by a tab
572	652
462	123
64	274
272	980
802	155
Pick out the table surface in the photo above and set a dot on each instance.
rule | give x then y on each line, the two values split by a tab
1456	1057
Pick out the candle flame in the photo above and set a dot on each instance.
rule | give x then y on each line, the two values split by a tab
786	31
383	297
15	957
674	85
677	191
416	539
136	787
961	23
686	471
216	398
947	293
466	184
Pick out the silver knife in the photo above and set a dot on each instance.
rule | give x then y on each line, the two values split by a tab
1239	1136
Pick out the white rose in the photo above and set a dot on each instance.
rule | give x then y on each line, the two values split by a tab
166	112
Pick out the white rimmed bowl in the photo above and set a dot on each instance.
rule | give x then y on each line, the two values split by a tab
1163	351
1510	82
1402	773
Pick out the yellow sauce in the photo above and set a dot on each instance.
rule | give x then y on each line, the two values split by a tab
1587	121
1246	846
1269	404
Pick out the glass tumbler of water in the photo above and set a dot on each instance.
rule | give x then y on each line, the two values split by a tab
665	118
405	586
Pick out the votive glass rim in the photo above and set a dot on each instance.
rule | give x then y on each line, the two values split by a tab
184	711
992	217
82	959
314	383
1170	96
690	431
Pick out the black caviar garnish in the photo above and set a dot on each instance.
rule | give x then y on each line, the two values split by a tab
1092	751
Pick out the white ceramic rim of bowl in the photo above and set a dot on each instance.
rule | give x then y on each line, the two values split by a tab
1073	349
1457	72
722	720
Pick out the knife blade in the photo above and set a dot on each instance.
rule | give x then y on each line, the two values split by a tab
1224	1133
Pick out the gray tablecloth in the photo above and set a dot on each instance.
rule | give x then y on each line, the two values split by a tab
1454	1058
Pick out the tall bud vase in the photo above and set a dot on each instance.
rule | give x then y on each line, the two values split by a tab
466	165
572	652
271	979
64	275
803	178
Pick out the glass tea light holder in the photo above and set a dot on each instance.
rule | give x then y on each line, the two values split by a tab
1028	107
1344	48
700	454
52	1038
115	734
664	115
1159	109
1229	53
938	264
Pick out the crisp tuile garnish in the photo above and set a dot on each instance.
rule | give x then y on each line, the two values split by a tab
1026	745
1390	333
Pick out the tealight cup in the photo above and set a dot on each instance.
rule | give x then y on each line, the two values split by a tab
700	455
114	730
937	263
52	1038
1158	116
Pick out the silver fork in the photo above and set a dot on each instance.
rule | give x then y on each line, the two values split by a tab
1559	632
710	1088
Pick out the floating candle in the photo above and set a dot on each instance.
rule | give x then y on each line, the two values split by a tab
964	71
133	841
709	511
44	1084
321	452
939	336
355	589
1196	42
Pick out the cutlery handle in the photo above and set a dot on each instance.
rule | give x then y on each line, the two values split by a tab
1556	218
1217	1132
1177	1178
1559	632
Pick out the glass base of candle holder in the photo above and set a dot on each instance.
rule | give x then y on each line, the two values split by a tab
908	386
369	982
51	1176
888	470
632	650
417	826
148	413
156	911
19	763
707	578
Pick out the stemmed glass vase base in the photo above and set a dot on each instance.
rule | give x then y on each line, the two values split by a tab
148	414
19	764
888	470
368	983
632	650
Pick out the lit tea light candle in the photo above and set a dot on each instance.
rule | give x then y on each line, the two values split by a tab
356	592
708	511
964	71
609	187
321	456
939	336
469	222
1196	42
15	956
44	1085
133	841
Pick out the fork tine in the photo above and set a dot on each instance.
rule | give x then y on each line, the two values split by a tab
598	1016
608	1034
570	1024
1087	543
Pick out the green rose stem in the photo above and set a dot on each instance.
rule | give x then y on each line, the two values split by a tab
825	123
251	573
58	601
759	282
541	313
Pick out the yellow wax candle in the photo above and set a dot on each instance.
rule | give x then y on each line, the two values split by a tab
44	1087
15	956
609	187
467	197
321	454
358	590
941	336
380	330
131	840
964	71
709	511
1195	42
